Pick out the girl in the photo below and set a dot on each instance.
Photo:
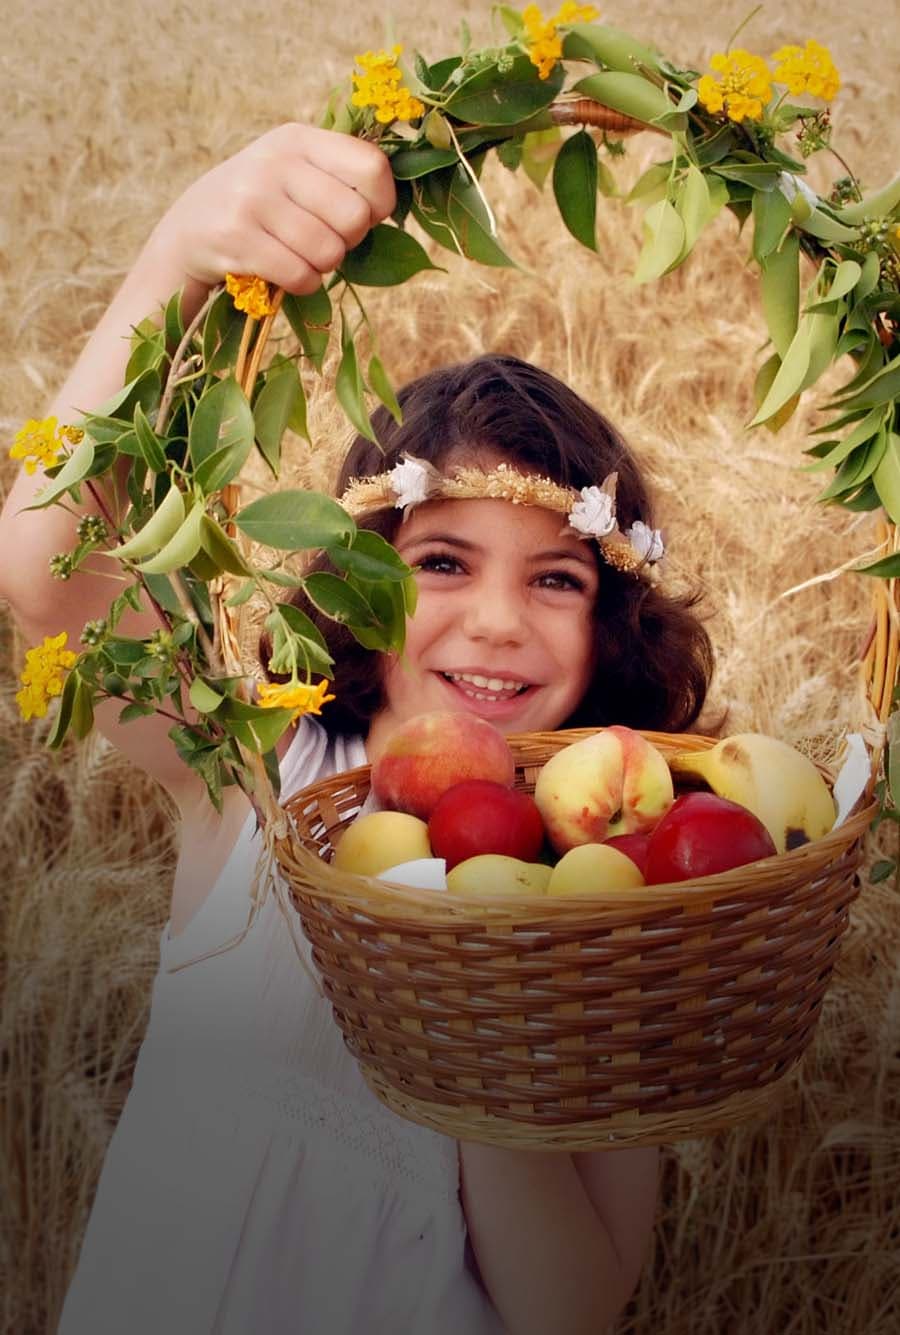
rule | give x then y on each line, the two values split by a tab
253	1181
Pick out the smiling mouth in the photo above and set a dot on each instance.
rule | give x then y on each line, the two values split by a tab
476	691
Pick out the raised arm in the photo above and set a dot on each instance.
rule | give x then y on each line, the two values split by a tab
287	207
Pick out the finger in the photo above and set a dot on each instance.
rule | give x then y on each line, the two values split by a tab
357	163
300	230
268	256
341	208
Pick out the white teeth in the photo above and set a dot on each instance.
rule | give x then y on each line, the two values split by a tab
489	683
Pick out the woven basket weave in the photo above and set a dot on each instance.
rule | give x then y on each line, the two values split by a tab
637	1016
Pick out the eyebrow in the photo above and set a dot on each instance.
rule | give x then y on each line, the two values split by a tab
554	554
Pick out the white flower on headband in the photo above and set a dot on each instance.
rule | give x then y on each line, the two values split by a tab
646	541
411	481
595	514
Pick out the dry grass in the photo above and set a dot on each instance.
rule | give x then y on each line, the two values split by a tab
784	1229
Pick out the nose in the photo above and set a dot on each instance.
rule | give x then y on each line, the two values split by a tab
496	611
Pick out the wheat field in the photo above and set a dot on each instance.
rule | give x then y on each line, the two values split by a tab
785	1227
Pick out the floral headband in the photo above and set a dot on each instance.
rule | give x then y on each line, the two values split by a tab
591	512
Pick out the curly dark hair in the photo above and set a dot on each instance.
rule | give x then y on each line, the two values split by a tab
653	657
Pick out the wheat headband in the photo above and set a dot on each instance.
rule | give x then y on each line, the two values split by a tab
591	512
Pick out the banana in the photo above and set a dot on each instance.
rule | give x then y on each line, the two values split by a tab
773	780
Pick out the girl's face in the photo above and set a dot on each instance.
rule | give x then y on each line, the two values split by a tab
503	598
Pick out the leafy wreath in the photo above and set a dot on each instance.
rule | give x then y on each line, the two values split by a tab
198	401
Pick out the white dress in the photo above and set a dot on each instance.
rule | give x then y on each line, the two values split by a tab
254	1183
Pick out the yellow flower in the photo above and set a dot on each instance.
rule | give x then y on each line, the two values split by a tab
808	69
744	89
250	294
40	443
301	697
545	44
42	676
381	87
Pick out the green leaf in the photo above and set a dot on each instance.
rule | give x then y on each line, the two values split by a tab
148	350
74	470
663	241
162	525
492	98
820	225
456	199
651	185
173	323
887	568
221	435
886	477
881	870
82	709
149	442
202	696
575	187
539	150
292	630
511	19
771	220
218	545
765	378
756	173
273	410
411	163
856	469
608	46
370	557
64	713
780	284
378	379
295	520
241	595
181	549
339	600
791	374
145	390
410	595
350	388
385	257
222	331
863	431
137	709
696	207
283	579
871	272
388	604
884	387
633	96
310	319
845	278
255	727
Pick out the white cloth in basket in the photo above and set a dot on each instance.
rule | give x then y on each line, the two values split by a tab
254	1183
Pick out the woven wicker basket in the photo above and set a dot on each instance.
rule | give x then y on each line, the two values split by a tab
633	1017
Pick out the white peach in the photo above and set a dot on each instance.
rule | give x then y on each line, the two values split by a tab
379	840
589	869
613	782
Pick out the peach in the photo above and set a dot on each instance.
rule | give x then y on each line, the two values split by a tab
431	752
379	840
613	782
589	869
497	874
